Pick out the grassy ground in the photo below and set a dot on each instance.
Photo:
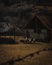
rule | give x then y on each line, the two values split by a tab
8	52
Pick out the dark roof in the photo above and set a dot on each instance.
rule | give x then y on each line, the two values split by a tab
45	20
12	32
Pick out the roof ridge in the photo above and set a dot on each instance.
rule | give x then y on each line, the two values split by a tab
44	21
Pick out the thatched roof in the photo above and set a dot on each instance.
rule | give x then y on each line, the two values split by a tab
19	31
46	22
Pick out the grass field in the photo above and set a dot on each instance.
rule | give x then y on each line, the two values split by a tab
8	52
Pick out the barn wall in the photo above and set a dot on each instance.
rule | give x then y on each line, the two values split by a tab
41	36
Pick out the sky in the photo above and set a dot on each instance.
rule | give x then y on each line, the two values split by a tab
19	11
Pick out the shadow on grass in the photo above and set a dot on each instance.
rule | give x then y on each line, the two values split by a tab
7	41
18	59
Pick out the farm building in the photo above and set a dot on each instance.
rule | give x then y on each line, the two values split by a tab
40	28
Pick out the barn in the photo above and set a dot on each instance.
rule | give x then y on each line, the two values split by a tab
40	29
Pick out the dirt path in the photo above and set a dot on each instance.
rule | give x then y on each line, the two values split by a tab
26	54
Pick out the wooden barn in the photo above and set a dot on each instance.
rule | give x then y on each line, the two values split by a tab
40	28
